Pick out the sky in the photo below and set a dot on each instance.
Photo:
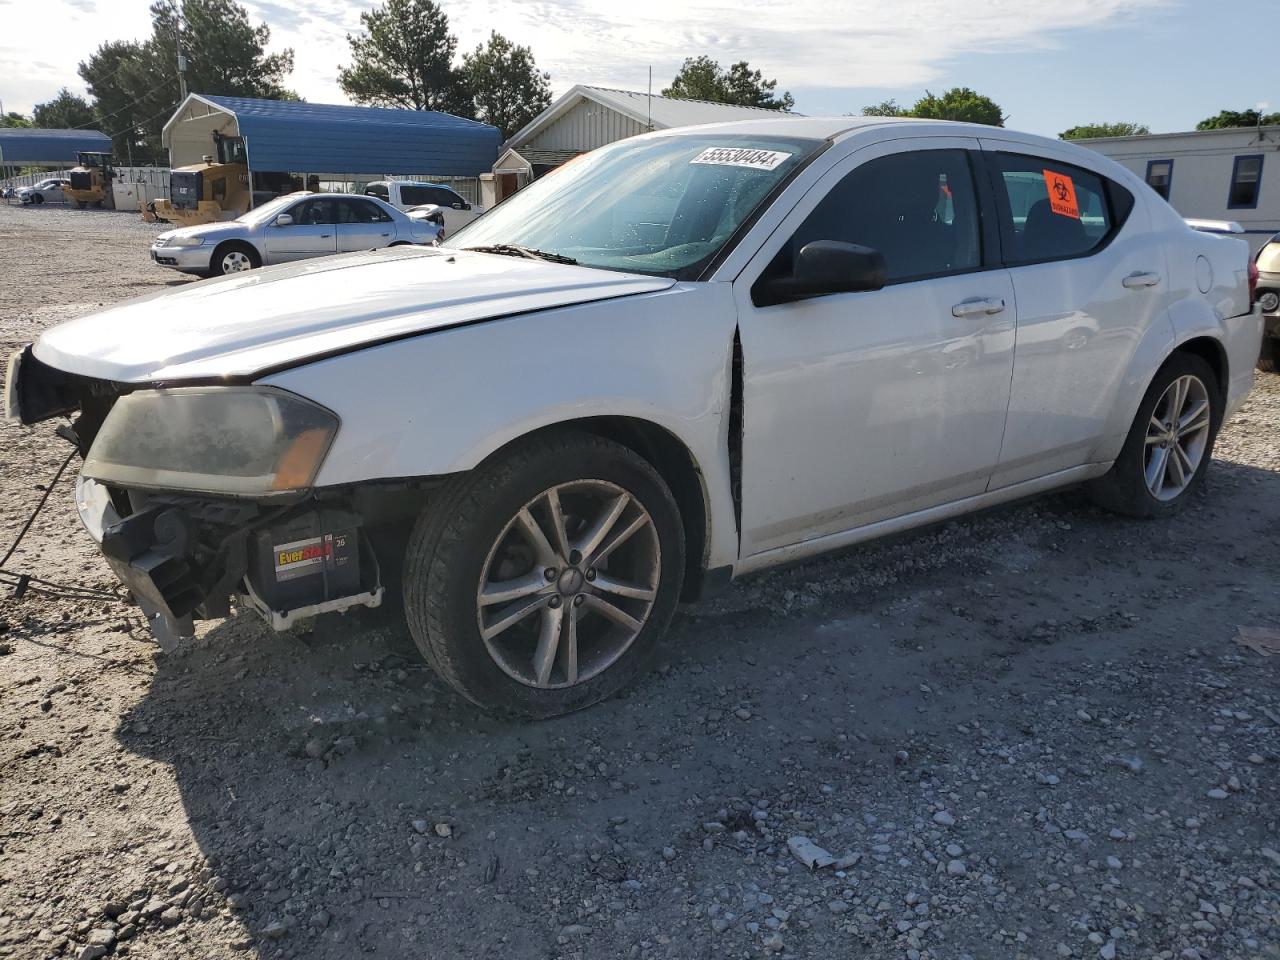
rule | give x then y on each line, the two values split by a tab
1050	65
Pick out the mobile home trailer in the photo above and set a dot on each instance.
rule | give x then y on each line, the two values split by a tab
1231	174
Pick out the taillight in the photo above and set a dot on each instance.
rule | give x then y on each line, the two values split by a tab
1253	282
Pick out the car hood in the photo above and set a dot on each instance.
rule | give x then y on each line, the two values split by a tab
207	231
244	324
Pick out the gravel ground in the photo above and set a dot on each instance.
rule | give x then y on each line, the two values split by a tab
1029	733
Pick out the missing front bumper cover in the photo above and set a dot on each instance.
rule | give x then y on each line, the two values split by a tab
184	558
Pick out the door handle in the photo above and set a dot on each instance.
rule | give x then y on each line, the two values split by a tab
1136	281
325	236
989	306
384	234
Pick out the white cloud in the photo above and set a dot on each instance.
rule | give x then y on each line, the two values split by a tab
804	43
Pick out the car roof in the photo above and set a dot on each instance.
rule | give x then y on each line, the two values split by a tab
870	128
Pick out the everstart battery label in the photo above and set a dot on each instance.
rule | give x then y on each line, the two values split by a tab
303	557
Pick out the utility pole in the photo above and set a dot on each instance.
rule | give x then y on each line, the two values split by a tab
182	57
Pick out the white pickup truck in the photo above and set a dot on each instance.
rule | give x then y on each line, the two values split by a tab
413	195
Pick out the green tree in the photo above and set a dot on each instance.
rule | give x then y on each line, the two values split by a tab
1226	119
226	53
404	58
702	78
135	84
13	119
1121	128
959	103
506	86
885	108
66	110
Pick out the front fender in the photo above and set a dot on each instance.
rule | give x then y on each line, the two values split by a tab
441	402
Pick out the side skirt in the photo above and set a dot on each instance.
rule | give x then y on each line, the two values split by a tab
946	511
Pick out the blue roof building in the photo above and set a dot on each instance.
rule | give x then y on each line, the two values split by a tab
295	137
32	146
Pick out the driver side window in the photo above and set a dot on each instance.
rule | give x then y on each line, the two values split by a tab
918	208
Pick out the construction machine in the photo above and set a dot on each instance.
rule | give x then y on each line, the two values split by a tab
215	189
91	181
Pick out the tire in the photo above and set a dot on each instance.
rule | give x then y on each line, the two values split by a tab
81	204
37	198
1125	488
471	534
1269	358
233	257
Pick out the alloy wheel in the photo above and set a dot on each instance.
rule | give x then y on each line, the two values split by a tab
1177	437
569	584
236	261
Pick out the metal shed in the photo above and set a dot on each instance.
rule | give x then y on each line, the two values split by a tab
36	147
288	135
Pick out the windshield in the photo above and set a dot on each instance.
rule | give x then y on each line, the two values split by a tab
662	206
266	211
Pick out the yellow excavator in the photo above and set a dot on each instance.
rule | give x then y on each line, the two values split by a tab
91	181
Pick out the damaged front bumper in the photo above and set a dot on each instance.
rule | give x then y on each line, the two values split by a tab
184	558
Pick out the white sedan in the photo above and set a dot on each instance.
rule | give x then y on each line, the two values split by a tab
46	191
691	355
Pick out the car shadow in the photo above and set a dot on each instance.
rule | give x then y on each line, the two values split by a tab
348	801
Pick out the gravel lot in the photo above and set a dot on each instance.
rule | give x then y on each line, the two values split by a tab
1030	733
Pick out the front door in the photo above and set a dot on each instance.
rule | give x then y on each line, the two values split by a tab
1089	277
860	407
363	225
313	233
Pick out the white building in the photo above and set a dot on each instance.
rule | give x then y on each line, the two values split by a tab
588	117
1211	174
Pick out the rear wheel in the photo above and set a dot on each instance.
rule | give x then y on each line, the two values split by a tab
540	583
1169	446
82	204
234	258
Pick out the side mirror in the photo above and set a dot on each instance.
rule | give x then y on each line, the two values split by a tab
823	267
459	205
284	220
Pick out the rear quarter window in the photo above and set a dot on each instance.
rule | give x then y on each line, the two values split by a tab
1055	211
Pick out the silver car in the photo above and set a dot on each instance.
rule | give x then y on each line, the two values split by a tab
295	227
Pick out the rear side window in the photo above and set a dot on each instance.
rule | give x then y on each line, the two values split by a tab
918	208
378	190
1055	211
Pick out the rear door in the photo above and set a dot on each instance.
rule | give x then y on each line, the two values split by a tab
363	225
1089	279
313	233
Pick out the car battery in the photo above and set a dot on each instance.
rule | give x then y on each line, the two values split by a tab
307	560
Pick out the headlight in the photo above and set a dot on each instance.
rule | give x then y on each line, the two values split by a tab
186	241
247	441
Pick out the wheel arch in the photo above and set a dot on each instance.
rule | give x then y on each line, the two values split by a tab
237	243
1211	351
675	463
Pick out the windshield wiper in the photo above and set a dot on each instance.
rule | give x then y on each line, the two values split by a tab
517	250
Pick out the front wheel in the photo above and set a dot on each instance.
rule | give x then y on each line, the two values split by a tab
1169	446
82	204
234	258
539	583
37	198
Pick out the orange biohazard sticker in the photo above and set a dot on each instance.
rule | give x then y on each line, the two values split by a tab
1062	195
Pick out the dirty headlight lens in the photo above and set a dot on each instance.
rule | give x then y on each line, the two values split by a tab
245	441
186	241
